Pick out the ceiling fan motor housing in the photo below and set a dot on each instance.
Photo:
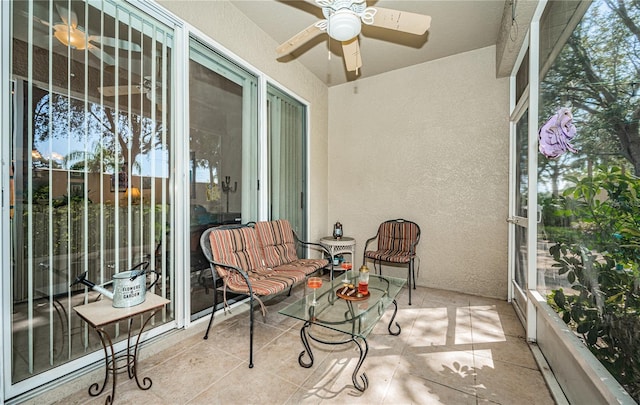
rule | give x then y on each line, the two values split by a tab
344	25
343	18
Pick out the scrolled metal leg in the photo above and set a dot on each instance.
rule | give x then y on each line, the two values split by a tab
395	311
110	365
363	377
307	348
129	357
146	381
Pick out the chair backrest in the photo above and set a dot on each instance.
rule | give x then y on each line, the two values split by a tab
236	245
278	242
398	235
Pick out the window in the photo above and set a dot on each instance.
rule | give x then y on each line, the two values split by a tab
588	258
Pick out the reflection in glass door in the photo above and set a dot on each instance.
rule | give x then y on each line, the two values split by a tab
223	157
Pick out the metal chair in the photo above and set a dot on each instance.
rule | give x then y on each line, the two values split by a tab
397	241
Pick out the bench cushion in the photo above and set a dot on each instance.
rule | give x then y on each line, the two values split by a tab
278	243
306	266
239	247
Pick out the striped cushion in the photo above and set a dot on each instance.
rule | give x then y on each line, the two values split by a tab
239	247
397	236
394	242
278	243
261	285
391	256
304	266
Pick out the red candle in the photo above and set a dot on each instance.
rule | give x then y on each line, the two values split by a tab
363	287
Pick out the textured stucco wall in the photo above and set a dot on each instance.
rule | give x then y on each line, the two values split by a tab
226	25
428	143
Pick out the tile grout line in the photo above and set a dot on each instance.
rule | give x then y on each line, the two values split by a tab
473	357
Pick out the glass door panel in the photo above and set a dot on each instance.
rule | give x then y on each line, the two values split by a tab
519	219
223	156
287	159
90	151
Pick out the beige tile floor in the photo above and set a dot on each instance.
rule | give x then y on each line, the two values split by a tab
453	349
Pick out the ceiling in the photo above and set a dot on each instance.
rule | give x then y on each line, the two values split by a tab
456	26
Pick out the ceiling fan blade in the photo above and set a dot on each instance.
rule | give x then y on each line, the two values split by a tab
403	21
299	39
103	56
351	52
111	91
68	17
42	21
116	43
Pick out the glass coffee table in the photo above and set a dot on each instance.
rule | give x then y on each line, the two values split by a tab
353	316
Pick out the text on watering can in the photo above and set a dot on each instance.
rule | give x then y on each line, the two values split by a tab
131	292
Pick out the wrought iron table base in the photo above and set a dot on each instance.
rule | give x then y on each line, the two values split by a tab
111	362
363	348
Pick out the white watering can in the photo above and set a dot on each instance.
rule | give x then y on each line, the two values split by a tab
129	287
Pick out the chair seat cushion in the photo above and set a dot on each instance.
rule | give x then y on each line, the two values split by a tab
392	256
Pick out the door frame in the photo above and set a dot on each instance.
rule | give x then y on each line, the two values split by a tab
527	102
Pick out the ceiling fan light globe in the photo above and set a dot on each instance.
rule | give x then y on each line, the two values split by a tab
70	36
344	25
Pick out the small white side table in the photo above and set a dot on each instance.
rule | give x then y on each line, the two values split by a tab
336	246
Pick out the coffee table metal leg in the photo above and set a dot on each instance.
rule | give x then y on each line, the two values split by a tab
395	311
307	348
363	355
362	347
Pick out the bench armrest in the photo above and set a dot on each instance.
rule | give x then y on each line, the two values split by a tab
312	244
244	274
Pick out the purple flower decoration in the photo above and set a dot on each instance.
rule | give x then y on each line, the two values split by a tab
555	134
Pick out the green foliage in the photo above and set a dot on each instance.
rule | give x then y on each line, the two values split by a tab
596	75
66	223
603	305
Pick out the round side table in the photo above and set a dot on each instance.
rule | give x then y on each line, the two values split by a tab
336	246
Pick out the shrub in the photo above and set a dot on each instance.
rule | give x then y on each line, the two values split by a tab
603	305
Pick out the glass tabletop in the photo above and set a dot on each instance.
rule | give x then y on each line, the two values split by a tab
355	318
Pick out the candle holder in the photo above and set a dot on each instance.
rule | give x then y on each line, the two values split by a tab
226	188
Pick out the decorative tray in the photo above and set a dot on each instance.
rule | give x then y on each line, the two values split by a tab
350	293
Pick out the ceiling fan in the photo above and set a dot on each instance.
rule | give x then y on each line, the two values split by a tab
70	34
343	22
146	87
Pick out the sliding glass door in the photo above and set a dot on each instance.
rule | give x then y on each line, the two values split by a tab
223	139
90	150
287	159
